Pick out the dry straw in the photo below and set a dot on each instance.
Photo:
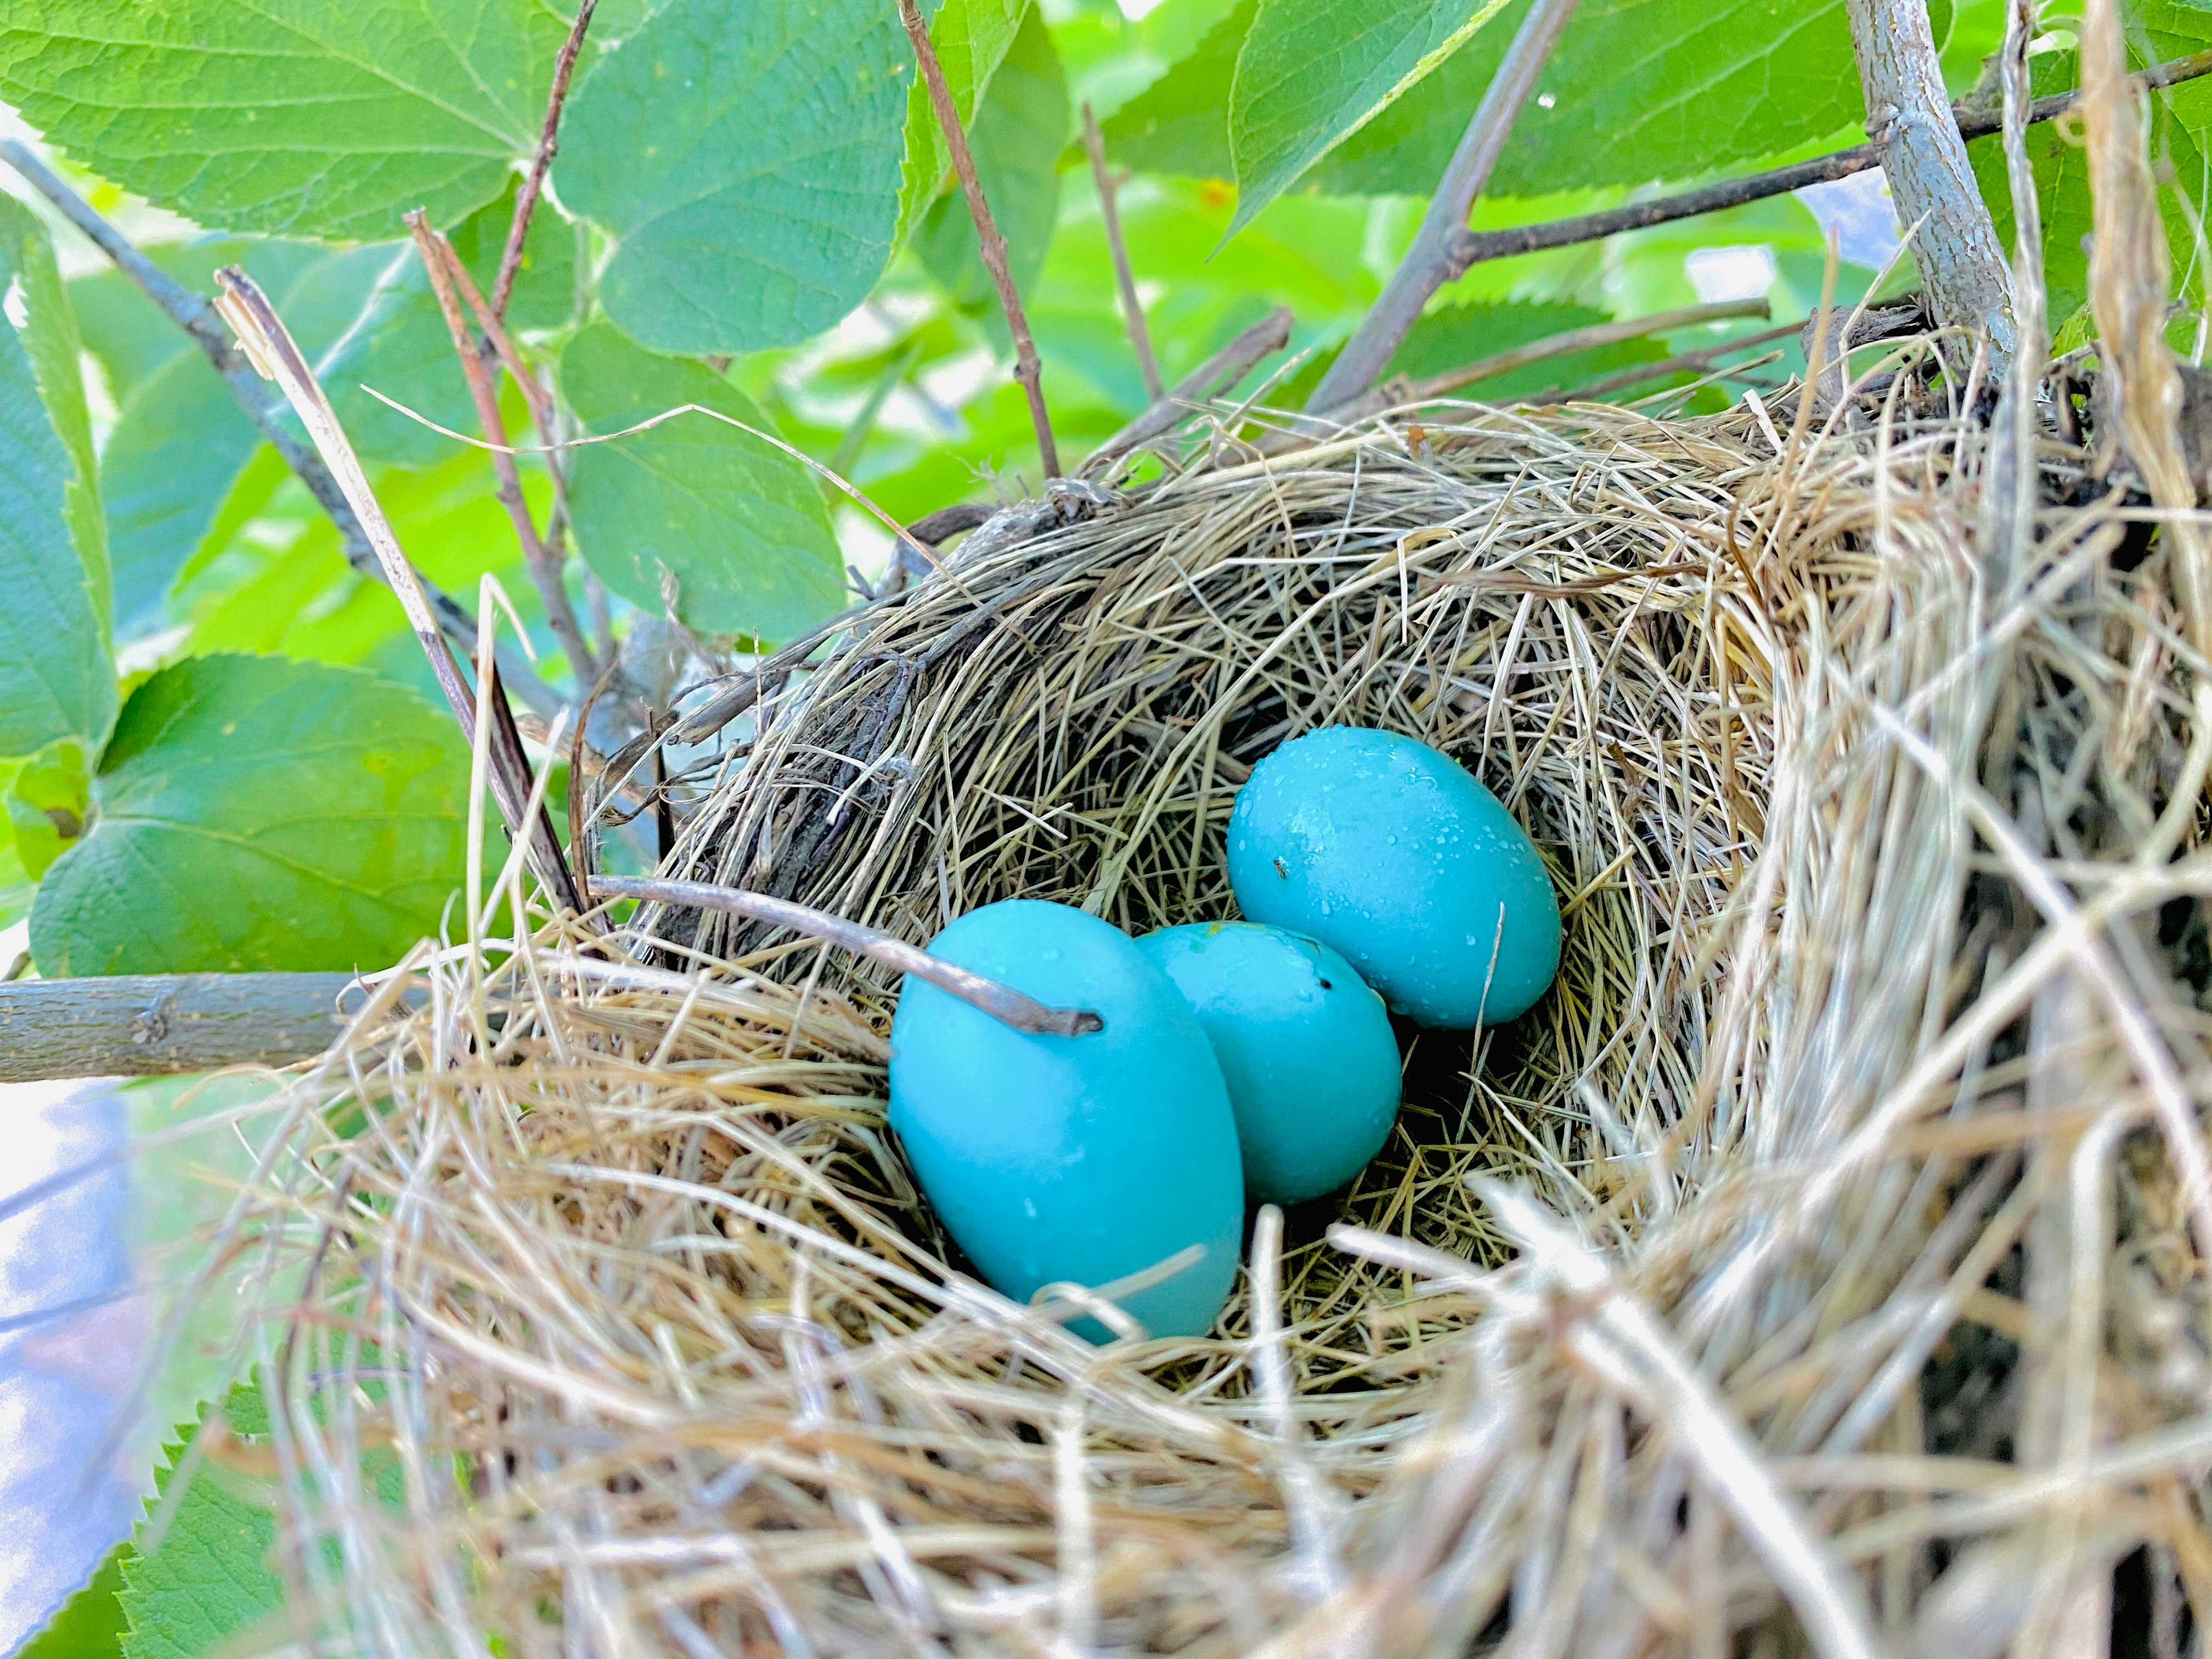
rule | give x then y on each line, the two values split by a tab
1807	1271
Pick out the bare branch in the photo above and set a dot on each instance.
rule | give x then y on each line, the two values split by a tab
544	565
1132	310
1428	263
1473	247
526	200
1399	392
1923	156
273	351
990	243
1002	1002
195	314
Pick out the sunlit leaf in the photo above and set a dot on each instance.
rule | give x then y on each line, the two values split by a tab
289	116
1311	72
745	159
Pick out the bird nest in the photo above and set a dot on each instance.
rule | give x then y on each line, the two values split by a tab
1807	1267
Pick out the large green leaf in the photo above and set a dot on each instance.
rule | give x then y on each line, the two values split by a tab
736	525
57	676
1017	139
257	813
296	116
1311	72
971	38
211	1575
1637	90
745	158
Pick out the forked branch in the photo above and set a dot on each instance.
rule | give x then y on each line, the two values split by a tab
1428	263
990	243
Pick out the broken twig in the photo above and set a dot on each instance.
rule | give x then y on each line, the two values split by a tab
1002	1002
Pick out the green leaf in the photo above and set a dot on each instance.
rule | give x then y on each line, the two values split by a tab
1017	139
737	525
545	282
57	676
89	1625
745	159
971	38
292	116
1638	90
257	813
49	801
209	1575
2182	137
1312	72
1180	123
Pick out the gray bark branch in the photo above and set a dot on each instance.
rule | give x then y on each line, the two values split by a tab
1427	265
1909	118
152	1025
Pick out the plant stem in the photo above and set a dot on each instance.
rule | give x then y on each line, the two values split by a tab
1002	1002
526	200
272	351
990	243
1428	263
1132	310
1910	121
544	565
196	316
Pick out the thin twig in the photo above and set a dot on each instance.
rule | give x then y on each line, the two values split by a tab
1428	264
1002	1002
526	200
1397	393
1472	247
1704	357
270	348
990	243
544	565
195	314
1222	370
1132	309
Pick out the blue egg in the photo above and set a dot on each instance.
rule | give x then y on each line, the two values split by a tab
1395	855
1305	1047
1083	1158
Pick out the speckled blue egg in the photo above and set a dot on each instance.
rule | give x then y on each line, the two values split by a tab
1305	1047
1083	1158
1397	856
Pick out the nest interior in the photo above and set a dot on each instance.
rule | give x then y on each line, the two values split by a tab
1635	1338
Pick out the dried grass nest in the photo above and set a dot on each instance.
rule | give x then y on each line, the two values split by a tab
1807	1271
